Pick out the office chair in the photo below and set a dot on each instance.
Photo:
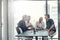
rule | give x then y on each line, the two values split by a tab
52	35
19	31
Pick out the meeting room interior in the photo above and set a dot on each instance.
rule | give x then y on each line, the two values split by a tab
29	19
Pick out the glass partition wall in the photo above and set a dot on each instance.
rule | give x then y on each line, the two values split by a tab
35	9
53	11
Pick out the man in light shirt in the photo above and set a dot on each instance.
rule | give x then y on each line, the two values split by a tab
40	24
27	22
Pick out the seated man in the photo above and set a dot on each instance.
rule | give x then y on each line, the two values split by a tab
25	24
40	24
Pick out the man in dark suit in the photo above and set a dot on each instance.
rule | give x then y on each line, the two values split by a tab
24	24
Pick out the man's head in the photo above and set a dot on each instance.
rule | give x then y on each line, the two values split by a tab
27	18
47	16
40	19
24	17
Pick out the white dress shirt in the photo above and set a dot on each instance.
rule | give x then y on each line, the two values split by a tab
40	24
27	23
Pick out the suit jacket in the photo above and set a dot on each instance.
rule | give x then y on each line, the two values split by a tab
22	25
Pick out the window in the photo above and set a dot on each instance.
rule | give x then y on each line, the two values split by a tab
35	9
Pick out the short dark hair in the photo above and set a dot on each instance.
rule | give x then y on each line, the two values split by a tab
47	15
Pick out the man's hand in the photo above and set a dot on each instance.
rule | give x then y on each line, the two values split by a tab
30	27
40	28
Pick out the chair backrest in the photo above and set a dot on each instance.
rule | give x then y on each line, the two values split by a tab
53	34
19	30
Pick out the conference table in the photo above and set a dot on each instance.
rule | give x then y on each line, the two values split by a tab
37	33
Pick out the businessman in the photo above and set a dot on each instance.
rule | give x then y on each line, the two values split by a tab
25	24
50	26
40	25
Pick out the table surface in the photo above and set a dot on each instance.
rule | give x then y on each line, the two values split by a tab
31	33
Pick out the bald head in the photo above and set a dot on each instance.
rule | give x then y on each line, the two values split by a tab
40	19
